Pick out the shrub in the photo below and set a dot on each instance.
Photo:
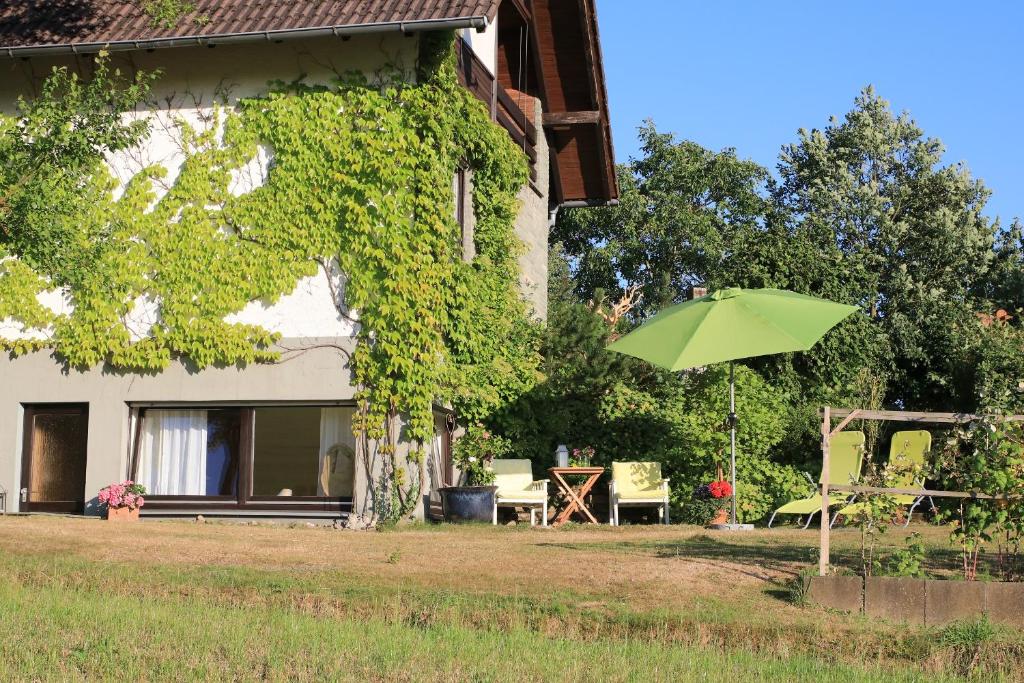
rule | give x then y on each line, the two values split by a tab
908	561
683	426
473	454
986	455
763	485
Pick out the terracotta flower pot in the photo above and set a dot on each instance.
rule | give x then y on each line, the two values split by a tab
721	517
122	514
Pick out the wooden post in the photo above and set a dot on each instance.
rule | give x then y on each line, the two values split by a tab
826	433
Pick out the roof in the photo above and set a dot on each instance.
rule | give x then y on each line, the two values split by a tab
564	60
41	26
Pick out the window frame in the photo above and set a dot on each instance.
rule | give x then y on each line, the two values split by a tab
243	501
464	213
460	196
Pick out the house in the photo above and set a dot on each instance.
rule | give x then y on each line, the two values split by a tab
275	439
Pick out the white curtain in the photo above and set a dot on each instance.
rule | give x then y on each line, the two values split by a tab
337	452
173	454
436	467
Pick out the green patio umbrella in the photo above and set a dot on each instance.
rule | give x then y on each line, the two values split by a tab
727	325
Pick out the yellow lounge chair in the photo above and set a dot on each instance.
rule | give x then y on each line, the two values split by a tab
517	488
637	484
846	454
908	451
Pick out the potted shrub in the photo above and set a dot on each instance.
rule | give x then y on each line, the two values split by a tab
709	504
473	500
123	500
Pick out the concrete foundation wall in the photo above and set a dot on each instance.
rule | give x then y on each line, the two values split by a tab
920	601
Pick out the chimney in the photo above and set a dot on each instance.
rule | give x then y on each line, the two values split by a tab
697	292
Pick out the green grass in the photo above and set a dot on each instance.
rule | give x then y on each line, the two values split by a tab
65	633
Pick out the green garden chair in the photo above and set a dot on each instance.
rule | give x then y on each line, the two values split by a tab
846	454
908	451
517	488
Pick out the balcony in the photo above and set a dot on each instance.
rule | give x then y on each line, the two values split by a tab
476	78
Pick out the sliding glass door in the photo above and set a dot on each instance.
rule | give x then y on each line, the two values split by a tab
259	457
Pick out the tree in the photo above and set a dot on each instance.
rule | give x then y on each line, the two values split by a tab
862	211
682	212
578	371
629	410
896	233
1005	286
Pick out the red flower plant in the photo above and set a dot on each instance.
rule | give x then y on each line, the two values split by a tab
720	489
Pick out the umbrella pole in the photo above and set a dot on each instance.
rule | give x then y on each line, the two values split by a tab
732	434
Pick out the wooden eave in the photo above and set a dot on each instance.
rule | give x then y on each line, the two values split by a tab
572	88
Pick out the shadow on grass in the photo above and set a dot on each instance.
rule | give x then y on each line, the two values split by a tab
762	558
706	546
761	553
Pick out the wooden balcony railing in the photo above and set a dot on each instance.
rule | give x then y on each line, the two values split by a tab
479	81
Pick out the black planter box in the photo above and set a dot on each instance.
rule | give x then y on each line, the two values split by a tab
468	503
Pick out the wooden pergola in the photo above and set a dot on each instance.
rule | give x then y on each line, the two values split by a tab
848	415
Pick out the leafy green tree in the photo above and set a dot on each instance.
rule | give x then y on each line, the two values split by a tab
683	210
862	211
629	410
578	370
896	232
1005	286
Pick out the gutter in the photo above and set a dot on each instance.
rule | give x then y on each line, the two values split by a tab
577	204
479	23
587	203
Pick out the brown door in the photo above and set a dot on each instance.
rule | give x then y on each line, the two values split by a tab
53	466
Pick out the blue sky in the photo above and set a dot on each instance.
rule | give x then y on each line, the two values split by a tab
727	73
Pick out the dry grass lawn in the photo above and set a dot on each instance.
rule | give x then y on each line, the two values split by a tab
676	586
638	565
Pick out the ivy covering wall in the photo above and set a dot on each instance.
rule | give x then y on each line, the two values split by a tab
362	173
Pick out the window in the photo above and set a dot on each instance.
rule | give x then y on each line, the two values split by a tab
190	452
246	455
459	192
303	452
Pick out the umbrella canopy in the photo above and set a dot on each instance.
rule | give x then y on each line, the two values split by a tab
727	325
730	324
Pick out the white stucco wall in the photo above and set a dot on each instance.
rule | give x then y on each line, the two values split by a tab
484	44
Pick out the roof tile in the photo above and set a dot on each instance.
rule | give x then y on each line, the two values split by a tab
53	23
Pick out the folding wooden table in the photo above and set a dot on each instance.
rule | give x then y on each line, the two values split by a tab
575	494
